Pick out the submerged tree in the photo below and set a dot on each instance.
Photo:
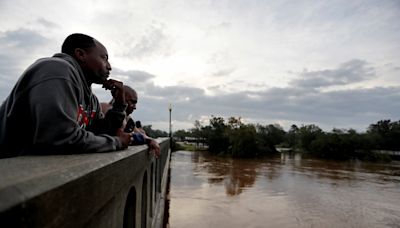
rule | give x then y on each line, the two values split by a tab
247	140
242	141
386	134
217	139
154	133
307	134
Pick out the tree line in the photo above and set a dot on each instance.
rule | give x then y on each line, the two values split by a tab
234	138
154	133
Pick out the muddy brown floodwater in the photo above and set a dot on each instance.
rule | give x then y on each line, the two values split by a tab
283	191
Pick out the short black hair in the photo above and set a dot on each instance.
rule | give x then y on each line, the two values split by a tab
77	40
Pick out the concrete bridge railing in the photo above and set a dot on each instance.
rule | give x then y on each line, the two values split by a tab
116	189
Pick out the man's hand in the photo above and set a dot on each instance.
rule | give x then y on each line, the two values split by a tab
125	138
154	148
117	90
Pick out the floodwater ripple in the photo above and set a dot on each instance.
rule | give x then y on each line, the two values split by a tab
284	191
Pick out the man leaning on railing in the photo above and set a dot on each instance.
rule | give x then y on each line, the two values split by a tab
52	109
138	137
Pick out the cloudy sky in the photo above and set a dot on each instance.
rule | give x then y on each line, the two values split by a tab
332	63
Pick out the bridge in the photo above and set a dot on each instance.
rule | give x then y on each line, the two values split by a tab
118	189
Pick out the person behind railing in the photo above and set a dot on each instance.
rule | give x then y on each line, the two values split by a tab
139	127
139	136
52	109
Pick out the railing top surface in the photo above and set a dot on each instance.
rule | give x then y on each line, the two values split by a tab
26	176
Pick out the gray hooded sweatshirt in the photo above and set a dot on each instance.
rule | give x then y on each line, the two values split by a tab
52	110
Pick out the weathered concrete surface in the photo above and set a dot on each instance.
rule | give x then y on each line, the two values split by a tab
85	190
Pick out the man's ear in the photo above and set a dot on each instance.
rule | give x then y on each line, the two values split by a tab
80	54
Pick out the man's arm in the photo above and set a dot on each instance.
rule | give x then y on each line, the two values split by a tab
154	147
139	138
145	139
110	122
114	117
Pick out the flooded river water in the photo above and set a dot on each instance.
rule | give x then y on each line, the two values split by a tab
284	191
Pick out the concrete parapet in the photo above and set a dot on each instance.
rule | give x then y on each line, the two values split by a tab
116	189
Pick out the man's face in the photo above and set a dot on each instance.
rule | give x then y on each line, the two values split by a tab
96	66
131	98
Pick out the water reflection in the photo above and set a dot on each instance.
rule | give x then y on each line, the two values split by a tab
286	191
235	174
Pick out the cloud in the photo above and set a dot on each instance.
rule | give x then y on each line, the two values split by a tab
47	24
214	29
221	64
7	67
17	50
223	72
397	68
177	92
345	108
133	75
223	25
24	39
153	42
352	71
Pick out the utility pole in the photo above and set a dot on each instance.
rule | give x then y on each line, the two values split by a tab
170	124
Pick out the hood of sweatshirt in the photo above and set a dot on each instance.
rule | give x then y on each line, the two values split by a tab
87	88
76	65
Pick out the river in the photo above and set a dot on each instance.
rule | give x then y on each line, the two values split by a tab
283	191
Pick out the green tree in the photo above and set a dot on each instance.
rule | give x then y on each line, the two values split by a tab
242	141
154	133
335	145
386	134
181	134
267	137
292	136
235	123
307	134
197	132
217	140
